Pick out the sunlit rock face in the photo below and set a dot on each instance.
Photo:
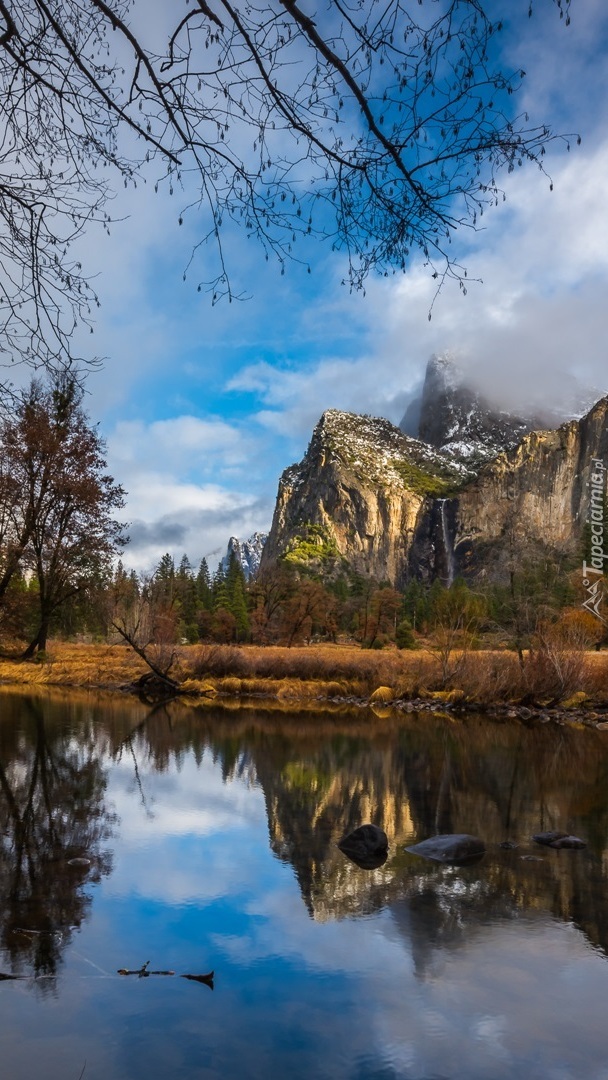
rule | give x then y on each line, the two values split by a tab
471	497
537	493
357	495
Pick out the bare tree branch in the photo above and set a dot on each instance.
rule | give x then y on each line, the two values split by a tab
380	126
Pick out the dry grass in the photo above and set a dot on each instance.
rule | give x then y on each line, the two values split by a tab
319	671
343	669
65	664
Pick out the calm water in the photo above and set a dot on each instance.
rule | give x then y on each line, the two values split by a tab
212	837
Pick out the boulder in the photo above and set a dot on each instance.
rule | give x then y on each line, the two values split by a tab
555	839
568	842
366	846
450	848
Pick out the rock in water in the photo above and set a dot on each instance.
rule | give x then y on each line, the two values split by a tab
569	842
366	846
450	848
558	840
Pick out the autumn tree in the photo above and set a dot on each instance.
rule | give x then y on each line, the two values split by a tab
381	127
385	605
268	593
61	521
303	611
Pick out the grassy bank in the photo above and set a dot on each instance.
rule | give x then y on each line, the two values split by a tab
486	678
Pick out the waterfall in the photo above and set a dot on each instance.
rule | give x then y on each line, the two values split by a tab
448	550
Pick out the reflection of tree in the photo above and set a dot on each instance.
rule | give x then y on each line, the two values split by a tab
52	811
321	776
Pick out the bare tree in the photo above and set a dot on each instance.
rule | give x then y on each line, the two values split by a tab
456	618
147	621
381	126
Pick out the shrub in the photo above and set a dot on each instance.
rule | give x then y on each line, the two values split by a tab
404	635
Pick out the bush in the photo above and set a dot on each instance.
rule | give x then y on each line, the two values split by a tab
404	635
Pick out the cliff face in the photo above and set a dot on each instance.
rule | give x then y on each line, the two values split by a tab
537	492
358	494
395	507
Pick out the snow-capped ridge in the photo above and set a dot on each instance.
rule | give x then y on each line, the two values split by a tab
248	552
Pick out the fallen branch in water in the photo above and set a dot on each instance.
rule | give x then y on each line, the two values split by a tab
143	973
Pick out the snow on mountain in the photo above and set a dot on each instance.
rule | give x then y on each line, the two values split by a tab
460	421
248	552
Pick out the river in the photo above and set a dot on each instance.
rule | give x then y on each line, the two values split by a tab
191	839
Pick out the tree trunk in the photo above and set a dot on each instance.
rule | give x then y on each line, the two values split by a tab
38	644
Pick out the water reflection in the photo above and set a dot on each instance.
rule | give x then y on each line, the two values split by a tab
54	825
211	841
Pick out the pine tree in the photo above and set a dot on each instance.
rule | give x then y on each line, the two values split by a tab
237	597
203	586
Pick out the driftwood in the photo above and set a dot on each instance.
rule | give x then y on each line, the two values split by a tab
143	973
206	979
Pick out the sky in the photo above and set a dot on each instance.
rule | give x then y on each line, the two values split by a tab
203	406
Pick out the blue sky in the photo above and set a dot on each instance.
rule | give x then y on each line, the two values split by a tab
203	407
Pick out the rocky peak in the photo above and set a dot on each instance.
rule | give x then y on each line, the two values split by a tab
460	421
374	448
248	552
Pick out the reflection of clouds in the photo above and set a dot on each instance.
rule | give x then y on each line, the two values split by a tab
278	922
198	887
503	999
500	1002
170	849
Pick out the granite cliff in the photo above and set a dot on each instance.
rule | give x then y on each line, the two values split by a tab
392	506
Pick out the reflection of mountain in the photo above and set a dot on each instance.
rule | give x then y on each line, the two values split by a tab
314	799
494	781
321	776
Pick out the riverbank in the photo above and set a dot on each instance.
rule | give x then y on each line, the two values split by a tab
573	685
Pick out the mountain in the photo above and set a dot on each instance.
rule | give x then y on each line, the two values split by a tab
392	506
358	494
248	552
457	419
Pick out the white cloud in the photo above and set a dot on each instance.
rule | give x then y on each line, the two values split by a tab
171	470
215	444
535	323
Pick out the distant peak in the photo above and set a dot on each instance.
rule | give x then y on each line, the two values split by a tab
247	552
456	418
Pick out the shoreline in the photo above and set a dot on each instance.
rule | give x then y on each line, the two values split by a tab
115	669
